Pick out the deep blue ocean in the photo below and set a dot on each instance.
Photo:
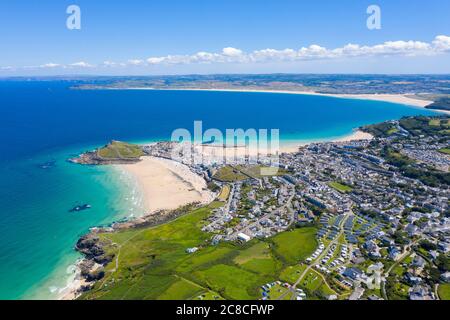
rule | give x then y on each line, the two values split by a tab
46	122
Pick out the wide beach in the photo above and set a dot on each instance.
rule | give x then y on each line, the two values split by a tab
167	185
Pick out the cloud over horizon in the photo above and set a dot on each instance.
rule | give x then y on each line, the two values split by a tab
439	45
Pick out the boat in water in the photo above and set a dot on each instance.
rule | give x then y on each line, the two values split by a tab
80	208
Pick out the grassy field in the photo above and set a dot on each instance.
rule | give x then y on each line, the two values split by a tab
259	259
229	174
292	273
182	290
120	150
256	171
224	193
315	286
434	122
232	282
295	246
153	264
444	291
445	151
340	187
392	131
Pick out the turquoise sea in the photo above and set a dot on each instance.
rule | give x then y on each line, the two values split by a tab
45	122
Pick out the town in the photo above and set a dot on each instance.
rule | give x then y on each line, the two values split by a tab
380	207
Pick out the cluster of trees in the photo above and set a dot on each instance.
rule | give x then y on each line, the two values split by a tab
425	125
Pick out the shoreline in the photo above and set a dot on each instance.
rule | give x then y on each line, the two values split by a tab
392	98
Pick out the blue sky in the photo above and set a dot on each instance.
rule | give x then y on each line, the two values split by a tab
164	37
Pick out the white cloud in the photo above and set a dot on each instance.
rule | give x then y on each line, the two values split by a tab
231	52
112	64
109	63
155	60
50	65
81	64
135	62
439	45
442	43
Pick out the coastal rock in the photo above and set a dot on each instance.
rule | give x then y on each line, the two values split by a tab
86	266
95	275
86	287
92	248
104	259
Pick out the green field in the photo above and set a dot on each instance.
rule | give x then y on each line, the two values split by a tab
259	258
152	262
229	174
340	187
445	151
434	122
295	246
232	282
120	150
182	290
444	291
292	273
315	286
258	171
392	131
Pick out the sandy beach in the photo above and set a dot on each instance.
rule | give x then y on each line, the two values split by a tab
167	184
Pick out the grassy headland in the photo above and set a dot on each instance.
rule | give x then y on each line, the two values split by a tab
120	150
115	152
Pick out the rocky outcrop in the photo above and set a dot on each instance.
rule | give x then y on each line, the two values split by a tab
91	247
